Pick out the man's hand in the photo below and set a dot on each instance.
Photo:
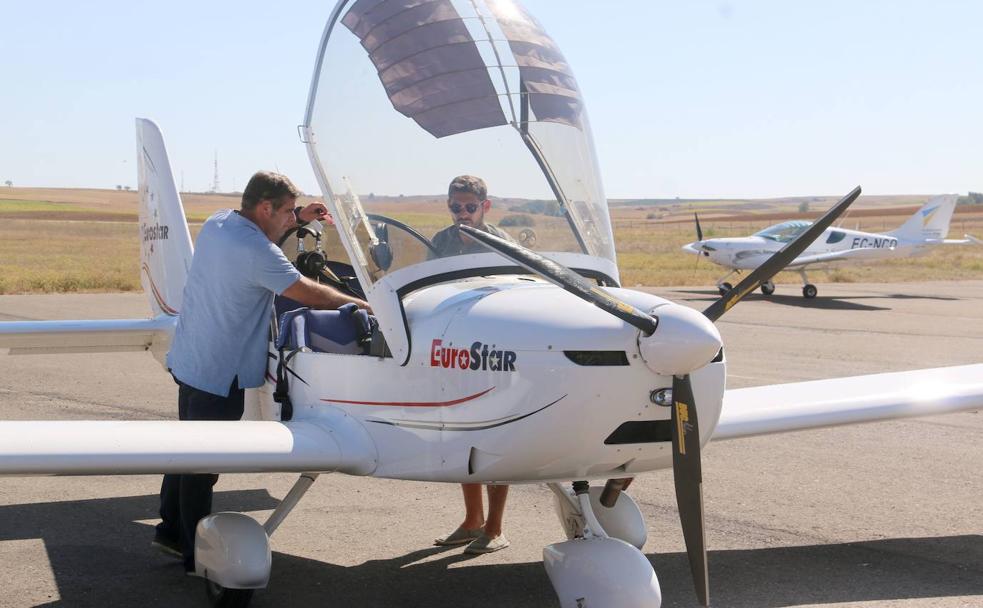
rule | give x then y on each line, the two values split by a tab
316	211
325	297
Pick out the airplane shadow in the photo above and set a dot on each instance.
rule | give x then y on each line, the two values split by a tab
872	571
821	303
100	555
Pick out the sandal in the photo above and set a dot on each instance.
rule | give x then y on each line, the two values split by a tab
461	536
486	544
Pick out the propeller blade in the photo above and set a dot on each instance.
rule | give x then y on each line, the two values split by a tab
699	231
780	260
562	276
688	476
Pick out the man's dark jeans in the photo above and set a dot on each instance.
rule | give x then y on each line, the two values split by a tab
185	499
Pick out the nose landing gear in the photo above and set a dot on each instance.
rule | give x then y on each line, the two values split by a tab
601	565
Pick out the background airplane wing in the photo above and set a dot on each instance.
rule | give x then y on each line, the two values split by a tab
837	256
147	447
780	408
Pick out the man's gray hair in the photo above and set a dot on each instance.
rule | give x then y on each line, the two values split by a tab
267	185
468	184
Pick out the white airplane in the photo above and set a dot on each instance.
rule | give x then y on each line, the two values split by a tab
508	366
925	229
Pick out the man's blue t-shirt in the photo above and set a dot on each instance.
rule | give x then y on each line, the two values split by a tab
223	327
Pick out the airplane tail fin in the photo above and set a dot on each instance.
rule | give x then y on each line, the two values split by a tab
165	241
931	222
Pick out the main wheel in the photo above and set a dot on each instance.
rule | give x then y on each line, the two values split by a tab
724	288
768	288
220	597
809	291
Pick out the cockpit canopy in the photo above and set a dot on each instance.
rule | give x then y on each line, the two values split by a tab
784	232
408	94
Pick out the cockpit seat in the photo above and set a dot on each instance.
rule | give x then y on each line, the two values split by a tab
346	331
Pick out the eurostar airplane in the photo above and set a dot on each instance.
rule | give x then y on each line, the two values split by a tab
924	230
509	366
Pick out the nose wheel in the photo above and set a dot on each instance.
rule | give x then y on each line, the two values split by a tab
723	286
220	597
768	288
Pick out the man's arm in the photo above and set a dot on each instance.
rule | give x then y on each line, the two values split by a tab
315	295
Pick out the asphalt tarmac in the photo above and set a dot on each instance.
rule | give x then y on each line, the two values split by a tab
885	514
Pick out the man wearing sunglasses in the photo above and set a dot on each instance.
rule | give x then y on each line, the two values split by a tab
467	200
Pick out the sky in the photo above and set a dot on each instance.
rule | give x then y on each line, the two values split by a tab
686	99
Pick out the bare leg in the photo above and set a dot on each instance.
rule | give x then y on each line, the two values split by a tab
496	510
474	508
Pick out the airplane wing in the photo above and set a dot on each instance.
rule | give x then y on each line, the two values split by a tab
45	337
781	408
147	447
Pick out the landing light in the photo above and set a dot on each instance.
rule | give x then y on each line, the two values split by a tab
661	396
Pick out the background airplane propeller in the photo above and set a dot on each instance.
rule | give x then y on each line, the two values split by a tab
686	460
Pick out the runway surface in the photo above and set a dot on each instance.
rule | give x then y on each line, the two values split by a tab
886	514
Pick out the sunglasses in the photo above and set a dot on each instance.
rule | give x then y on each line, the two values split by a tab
457	207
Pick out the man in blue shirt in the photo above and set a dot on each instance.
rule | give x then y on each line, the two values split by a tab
221	341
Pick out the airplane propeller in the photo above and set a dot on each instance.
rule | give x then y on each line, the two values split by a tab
686	461
687	472
699	231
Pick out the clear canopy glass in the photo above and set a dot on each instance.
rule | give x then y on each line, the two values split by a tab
784	232
409	94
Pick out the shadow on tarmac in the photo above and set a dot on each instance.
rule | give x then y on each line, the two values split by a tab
101	556
881	570
819	303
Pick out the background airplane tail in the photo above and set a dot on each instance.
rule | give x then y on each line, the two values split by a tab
931	222
165	241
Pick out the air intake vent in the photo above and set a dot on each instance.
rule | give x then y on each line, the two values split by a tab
597	357
641	431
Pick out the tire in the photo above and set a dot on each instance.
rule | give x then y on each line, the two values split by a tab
809	291
724	288
767	288
220	597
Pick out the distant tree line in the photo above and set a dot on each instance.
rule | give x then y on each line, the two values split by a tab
540	208
9	183
517	220
974	198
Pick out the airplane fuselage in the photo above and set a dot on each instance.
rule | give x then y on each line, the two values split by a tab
746	253
507	362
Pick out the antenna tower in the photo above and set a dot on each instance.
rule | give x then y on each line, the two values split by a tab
215	183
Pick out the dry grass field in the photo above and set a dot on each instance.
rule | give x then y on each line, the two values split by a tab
82	240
